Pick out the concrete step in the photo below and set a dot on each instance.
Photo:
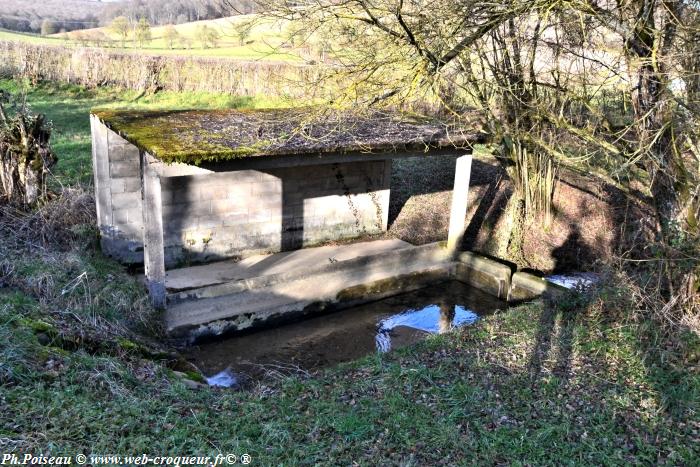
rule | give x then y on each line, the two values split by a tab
196	277
336	286
395	253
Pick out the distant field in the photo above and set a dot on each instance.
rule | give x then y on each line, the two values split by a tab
263	40
31	38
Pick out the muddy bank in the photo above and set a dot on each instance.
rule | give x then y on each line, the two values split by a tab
587	225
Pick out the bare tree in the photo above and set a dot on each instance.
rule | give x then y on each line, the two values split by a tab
142	34
120	26
537	72
171	36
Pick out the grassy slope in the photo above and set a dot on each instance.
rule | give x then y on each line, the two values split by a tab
585	394
264	41
31	38
539	384
68	108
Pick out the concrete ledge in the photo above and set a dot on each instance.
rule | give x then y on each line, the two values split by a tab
273	304
433	253
283	293
276	294
525	286
484	274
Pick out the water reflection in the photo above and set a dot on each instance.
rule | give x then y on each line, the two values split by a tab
574	280
223	379
433	319
326	340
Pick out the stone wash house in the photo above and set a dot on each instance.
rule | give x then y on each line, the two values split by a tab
176	189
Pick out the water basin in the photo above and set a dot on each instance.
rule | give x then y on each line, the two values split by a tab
343	336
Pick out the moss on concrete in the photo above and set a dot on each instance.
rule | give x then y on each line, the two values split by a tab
198	136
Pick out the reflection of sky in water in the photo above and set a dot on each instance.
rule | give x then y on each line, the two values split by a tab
225	379
430	319
577	279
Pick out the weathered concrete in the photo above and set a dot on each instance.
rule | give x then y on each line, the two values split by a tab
460	196
525	286
154	254
117	170
432	254
227	297
243	304
304	260
484	274
213	214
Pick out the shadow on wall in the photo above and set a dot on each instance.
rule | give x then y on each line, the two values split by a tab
329	202
588	214
238	213
421	175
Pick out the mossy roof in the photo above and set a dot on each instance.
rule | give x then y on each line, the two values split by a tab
196	136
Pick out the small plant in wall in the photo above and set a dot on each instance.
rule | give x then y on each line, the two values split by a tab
25	154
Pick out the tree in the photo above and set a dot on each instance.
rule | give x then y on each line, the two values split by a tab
243	31
650	31
466	52
536	70
47	28
142	34
207	36
120	26
171	36
660	44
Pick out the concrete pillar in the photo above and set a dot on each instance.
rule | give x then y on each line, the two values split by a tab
385	194
460	195
100	164
153	245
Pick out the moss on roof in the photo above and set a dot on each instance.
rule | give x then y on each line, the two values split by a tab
197	136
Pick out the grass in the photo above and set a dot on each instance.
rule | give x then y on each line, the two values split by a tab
68	107
531	386
31	38
265	39
580	381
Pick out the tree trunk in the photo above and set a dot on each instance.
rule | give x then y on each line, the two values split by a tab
25	158
654	132
516	241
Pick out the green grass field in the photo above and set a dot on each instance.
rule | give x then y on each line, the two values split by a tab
264	40
68	107
578	382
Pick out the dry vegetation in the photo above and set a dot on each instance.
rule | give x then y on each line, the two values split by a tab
102	67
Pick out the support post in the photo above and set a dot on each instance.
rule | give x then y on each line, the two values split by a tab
153	245
385	194
100	164
460	195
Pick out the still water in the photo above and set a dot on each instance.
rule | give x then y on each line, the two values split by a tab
329	339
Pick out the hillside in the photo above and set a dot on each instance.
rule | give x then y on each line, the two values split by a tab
247	37
23	15
50	16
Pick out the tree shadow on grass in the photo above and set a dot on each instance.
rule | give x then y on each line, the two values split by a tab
559	317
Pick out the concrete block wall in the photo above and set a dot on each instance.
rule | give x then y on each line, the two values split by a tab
214	215
236	214
117	169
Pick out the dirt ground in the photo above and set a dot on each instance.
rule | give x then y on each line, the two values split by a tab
585	227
